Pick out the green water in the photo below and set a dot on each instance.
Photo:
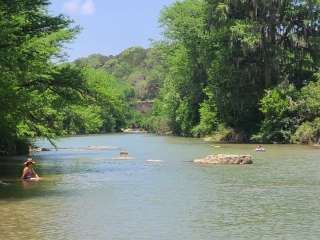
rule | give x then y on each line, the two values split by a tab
87	195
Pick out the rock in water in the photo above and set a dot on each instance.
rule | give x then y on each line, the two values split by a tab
124	155
225	159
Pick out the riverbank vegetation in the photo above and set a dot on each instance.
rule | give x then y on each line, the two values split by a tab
236	71
246	69
41	94
143	69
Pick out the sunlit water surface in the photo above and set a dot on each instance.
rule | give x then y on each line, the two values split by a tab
85	194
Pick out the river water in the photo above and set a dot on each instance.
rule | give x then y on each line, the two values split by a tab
85	194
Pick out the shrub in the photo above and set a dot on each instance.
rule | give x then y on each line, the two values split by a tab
208	121
279	107
308	132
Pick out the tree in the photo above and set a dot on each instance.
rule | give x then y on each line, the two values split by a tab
224	55
258	45
183	88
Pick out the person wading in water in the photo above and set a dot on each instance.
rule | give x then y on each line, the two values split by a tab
29	173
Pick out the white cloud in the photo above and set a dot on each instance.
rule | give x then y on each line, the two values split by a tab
88	7
71	7
83	7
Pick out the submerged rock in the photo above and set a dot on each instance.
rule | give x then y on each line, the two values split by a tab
124	155
225	159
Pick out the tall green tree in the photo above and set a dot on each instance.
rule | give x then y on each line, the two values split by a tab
259	44
224	55
182	95
39	95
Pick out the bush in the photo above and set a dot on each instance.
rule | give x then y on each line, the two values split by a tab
308	132
309	101
279	107
208	121
290	115
157	124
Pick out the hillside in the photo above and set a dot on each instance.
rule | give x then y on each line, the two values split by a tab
143	69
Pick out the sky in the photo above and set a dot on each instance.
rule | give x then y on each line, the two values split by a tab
111	26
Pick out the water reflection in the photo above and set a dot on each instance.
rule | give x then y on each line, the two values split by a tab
29	184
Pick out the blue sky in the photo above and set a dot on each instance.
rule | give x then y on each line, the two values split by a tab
110	26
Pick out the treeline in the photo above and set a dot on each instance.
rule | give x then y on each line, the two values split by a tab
241	71
40	94
142	69
237	71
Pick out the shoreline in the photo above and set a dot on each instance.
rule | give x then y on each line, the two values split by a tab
142	131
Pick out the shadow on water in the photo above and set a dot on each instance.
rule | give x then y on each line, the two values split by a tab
21	190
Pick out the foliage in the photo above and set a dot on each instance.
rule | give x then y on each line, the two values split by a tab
143	69
229	62
290	114
233	70
279	107
104	108
309	101
182	93
111	96
40	95
209	121
31	85
156	124
92	61
80	119
308	132
258	43
309	114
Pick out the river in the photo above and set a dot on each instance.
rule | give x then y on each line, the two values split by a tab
85	194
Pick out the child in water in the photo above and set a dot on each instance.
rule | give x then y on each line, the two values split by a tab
28	171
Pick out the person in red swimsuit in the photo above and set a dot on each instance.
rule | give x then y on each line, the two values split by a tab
28	172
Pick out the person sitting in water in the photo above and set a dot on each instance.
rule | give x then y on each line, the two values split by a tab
28	171
259	148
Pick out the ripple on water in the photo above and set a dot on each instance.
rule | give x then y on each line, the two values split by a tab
87	195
